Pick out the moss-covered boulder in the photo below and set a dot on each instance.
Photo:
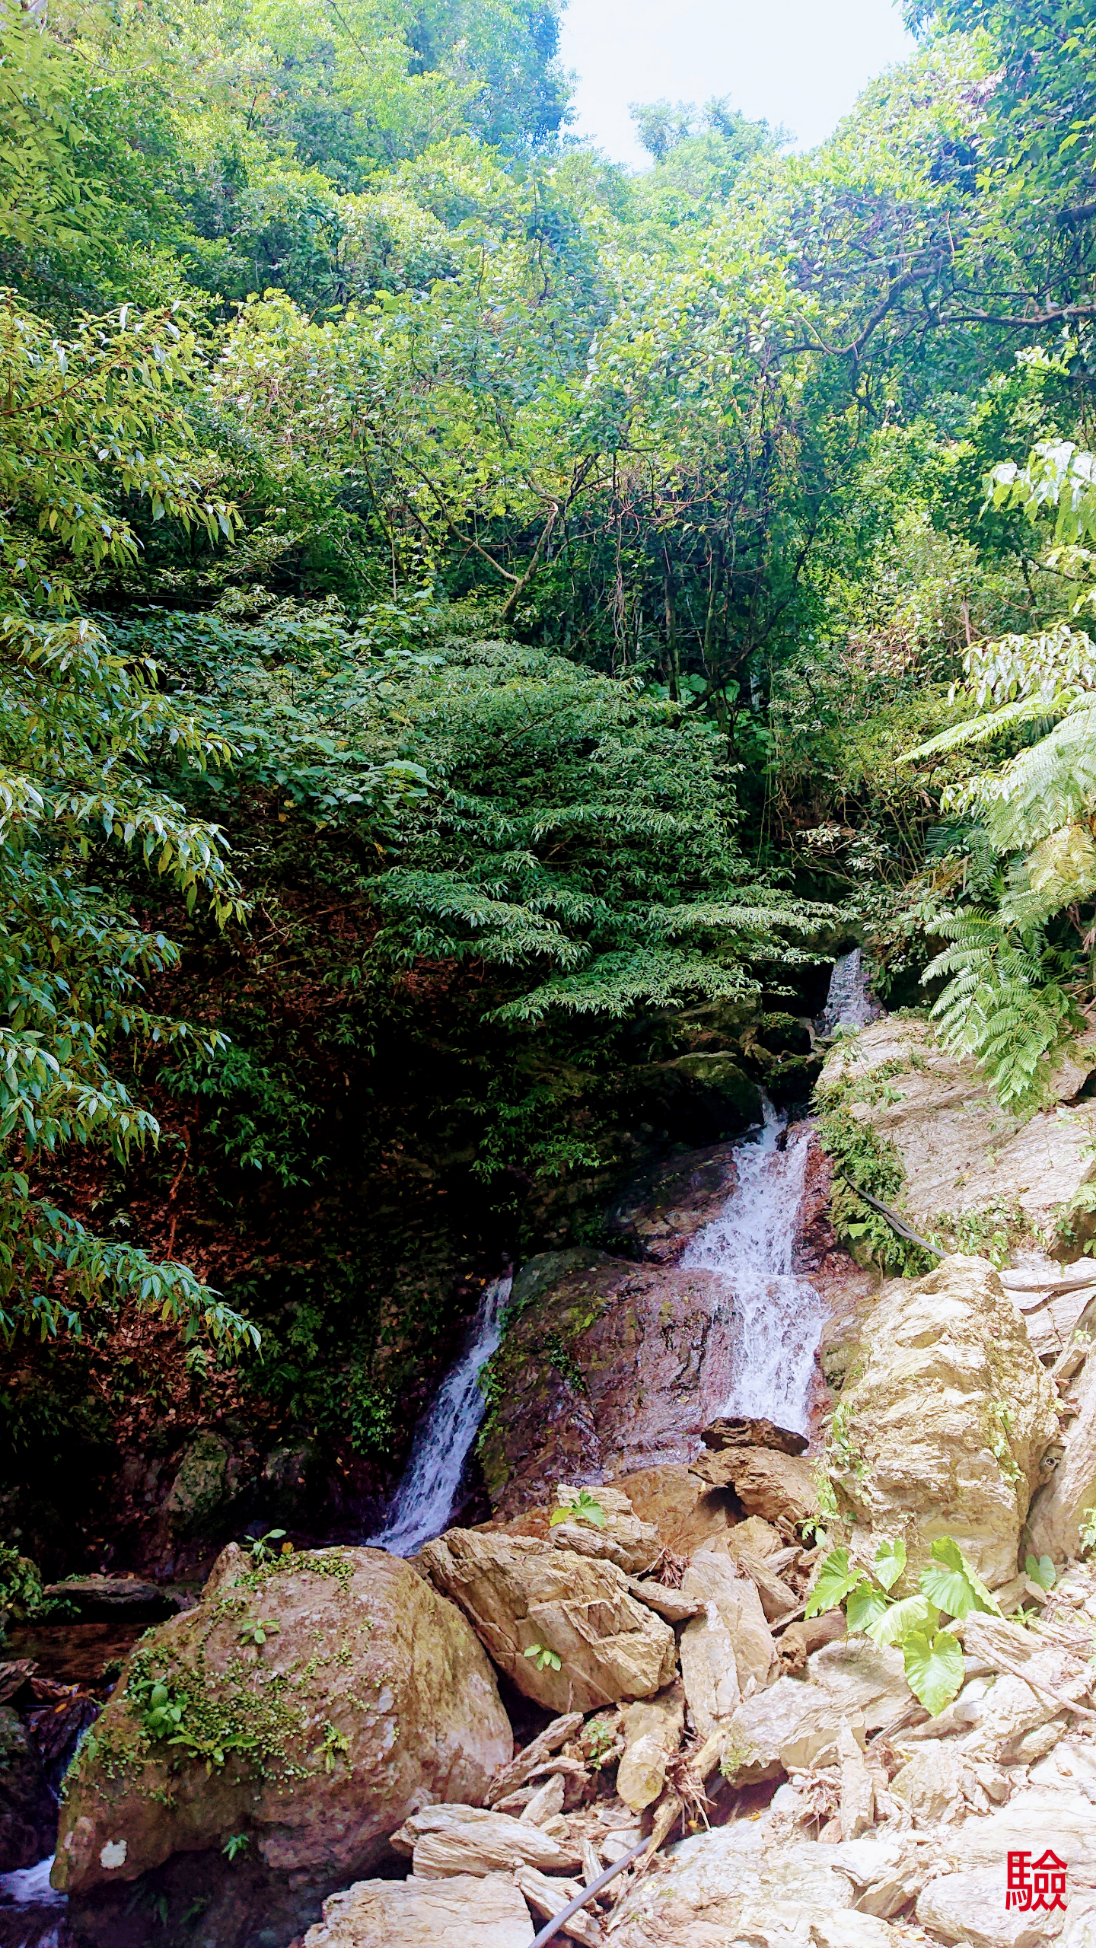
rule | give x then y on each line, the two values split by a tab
302	1711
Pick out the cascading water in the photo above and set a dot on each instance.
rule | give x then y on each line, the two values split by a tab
421	1505
849	1003
777	1314
31	1913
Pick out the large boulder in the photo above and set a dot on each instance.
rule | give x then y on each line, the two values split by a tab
606	1367
945	1425
961	1153
200	1485
309	1704
524	1596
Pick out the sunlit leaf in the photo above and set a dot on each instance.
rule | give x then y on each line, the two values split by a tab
934	1668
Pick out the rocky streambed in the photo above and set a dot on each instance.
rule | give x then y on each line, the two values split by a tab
335	1748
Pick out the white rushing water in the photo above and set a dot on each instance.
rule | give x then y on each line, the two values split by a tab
778	1315
422	1503
848	1003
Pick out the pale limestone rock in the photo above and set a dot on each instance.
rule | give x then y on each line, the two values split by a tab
444	1840
488	1912
533	1755
1033	1820
971	1907
885	1873
658	1596
753	1534
861	1678
790	1724
633	1545
363	1647
518	1591
652	1734
778	1599
709	1670
931	1782
710	1578
546	1897
960	1150
546	1802
857	1787
699	1898
948	1419
779	1488
1058	1510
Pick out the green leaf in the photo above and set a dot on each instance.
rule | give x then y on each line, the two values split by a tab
912	1614
934	1668
1041	1571
865	1606
835	1580
952	1584
890	1562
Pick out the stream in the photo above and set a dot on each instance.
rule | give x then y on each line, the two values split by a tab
422	1503
750	1244
778	1315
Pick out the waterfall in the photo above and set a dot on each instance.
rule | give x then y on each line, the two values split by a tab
848	1003
778	1315
421	1505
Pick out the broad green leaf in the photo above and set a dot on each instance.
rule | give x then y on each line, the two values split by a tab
890	1562
865	1606
835	1580
952	1584
934	1668
912	1613
1041	1571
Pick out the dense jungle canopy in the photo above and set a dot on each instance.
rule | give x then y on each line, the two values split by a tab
480	630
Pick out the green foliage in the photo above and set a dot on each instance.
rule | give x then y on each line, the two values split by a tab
864	1160
585	1508
544	1657
948	1586
1002	1003
1041	1570
20	1585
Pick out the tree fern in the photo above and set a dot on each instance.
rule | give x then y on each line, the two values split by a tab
1004	1003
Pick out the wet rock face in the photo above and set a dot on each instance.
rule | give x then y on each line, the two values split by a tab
667	1205
328	1695
605	1364
943	1428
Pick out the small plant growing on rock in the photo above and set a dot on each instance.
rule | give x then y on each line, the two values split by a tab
948	1586
260	1546
258	1632
1088	1531
586	1509
1042	1571
543	1657
236	1843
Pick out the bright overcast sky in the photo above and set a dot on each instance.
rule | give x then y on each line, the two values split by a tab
799	62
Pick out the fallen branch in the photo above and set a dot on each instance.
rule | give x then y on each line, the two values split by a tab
1035	1684
896	1223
